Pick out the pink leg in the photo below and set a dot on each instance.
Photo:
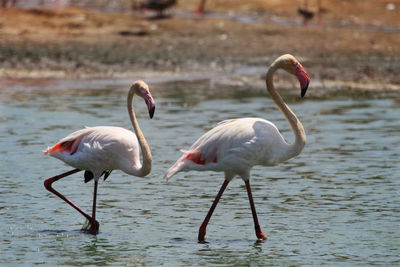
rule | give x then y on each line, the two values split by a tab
319	13
94	227
200	8
259	233
48	182
202	229
305	20
3	3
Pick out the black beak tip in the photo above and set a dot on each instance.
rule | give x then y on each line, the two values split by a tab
304	90
151	112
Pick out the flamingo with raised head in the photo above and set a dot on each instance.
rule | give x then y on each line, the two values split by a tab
99	150
235	146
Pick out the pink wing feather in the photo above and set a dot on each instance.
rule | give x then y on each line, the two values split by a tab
69	144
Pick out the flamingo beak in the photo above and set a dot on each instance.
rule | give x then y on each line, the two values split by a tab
303	78
304	90
151	105
151	111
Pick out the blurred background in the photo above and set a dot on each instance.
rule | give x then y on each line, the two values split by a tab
354	43
68	64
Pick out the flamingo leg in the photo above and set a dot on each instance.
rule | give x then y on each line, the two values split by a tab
48	182
259	233
200	8
319	12
94	227
305	20
202	229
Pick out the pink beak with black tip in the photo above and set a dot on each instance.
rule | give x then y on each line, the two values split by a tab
151	105
303	78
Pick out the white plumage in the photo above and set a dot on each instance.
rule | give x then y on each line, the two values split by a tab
99	150
235	146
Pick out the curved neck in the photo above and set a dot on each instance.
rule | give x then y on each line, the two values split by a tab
297	128
146	154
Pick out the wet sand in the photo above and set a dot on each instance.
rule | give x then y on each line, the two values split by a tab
356	46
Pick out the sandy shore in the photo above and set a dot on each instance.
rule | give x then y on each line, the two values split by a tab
355	46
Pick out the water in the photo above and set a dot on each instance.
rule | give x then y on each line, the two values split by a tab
336	203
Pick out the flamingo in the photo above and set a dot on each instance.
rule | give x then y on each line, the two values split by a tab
4	3
99	150
158	5
308	15
235	146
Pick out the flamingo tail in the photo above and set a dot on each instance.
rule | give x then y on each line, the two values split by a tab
69	144
177	167
181	163
192	159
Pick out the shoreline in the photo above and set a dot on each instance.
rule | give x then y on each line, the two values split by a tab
77	44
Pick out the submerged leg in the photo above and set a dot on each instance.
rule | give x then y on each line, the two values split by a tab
202	229
48	182
94	227
259	233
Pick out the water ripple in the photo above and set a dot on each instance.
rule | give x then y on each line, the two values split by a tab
336	203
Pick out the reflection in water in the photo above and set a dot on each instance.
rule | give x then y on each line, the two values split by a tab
337	203
99	251
221	251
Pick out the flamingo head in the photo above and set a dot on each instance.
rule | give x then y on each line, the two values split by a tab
290	64
142	89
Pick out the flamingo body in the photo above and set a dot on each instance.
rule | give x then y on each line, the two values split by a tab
98	149
234	147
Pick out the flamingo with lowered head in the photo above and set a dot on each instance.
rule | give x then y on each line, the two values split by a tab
235	146
307	14
158	5
99	150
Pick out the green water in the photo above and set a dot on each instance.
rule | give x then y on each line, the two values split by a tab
336	203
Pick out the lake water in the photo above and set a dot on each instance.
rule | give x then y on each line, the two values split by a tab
338	202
